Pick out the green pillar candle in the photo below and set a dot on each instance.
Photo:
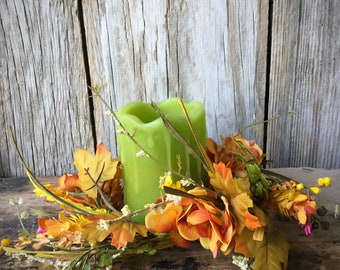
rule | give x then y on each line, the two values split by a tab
142	174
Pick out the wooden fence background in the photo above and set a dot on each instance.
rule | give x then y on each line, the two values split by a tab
245	60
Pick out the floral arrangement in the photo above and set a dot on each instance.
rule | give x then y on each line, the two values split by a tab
227	211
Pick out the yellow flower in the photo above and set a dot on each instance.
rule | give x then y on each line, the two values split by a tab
328	181
325	181
300	186
315	190
240	201
166	180
6	242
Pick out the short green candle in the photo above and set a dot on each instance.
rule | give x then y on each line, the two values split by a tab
141	173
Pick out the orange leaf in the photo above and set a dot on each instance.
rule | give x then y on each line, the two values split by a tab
240	205
70	181
223	180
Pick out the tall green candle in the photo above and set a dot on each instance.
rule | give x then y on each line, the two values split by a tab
141	173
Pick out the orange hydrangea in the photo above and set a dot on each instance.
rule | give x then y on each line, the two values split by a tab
195	219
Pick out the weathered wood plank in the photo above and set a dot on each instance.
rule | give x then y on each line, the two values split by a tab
210	51
305	76
43	91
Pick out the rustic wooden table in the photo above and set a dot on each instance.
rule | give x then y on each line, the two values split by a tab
320	251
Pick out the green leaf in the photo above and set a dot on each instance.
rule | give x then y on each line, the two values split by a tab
105	260
254	172
42	212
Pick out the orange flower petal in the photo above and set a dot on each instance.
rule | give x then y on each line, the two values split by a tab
187	231
165	221
302	216
178	240
197	217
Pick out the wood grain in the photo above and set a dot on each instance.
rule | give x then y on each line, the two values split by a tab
305	76
210	51
43	94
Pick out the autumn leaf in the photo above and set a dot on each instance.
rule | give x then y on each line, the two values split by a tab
68	182
222	180
94	170
121	232
245	244
272	253
240	205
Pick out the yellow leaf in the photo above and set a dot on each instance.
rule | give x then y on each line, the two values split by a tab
272	252
258	234
222	180
94	170
245	244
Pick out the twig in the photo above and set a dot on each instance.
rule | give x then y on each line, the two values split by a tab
102	194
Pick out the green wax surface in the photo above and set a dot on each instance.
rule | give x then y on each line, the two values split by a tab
142	174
